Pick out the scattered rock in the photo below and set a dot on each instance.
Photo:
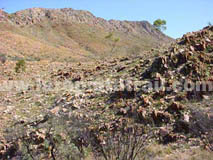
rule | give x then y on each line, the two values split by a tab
55	110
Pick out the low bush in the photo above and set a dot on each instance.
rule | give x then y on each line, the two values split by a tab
20	66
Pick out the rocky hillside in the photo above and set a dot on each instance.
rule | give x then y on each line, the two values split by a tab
67	34
121	108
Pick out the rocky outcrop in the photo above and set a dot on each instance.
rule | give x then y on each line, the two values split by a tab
3	16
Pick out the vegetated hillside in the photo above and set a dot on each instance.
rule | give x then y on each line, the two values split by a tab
116	117
67	34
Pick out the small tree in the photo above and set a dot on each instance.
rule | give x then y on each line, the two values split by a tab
160	24
209	24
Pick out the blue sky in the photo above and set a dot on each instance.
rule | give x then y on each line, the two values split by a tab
181	15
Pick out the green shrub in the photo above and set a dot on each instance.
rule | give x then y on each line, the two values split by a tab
20	66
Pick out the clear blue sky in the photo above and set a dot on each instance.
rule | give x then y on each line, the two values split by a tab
181	15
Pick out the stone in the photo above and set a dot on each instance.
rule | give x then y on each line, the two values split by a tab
208	40
205	97
186	118
160	116
192	48
163	131
181	50
55	110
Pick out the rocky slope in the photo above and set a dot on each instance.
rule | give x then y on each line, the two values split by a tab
110	111
69	35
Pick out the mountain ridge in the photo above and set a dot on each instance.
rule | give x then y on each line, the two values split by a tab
60	25
82	16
